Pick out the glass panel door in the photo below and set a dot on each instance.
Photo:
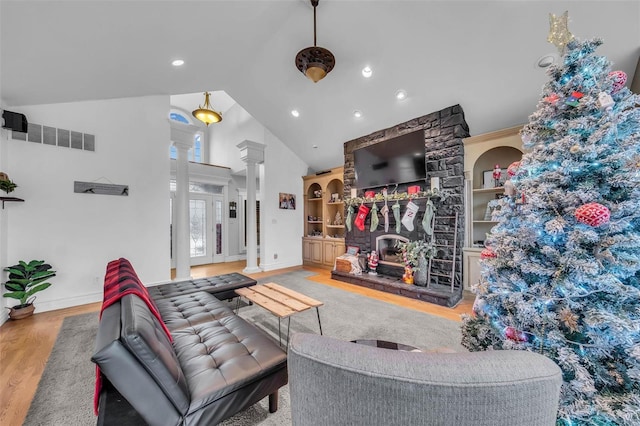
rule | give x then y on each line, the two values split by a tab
218	217
200	228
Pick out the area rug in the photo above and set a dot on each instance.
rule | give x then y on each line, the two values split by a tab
65	392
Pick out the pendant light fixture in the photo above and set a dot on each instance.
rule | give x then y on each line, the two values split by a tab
315	62
205	113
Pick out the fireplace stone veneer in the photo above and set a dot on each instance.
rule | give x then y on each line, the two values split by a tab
444	158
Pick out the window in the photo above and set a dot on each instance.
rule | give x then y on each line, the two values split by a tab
195	154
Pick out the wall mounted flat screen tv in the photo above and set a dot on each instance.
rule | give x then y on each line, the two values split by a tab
396	160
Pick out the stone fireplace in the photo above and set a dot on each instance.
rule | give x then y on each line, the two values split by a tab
444	159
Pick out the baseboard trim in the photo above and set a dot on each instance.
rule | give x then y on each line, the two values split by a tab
278	265
235	258
68	302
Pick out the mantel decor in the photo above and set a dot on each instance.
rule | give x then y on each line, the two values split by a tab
353	201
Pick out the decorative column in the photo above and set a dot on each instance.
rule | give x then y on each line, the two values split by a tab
251	153
182	137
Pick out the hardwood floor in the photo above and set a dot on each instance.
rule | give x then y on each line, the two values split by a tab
25	345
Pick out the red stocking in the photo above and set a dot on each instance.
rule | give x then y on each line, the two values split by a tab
363	211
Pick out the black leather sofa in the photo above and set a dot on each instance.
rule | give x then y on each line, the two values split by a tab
217	364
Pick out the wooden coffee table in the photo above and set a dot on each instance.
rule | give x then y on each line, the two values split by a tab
280	301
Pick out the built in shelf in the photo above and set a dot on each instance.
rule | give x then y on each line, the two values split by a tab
314	221
314	199
6	199
336	202
485	221
335	226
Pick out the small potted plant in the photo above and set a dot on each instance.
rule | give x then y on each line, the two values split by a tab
26	279
415	255
5	183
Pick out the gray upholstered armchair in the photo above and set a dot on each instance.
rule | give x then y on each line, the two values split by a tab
334	382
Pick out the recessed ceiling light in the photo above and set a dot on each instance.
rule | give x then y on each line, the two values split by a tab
357	114
295	113
177	62
367	72
401	95
314	146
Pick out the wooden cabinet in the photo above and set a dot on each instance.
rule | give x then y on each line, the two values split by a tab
324	217
482	153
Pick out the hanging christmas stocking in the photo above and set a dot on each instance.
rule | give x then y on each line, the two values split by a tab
427	219
396	216
410	215
363	211
385	214
349	218
374	218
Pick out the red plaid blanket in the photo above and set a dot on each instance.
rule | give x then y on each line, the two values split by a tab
121	279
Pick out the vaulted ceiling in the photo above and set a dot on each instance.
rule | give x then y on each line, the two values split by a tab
480	54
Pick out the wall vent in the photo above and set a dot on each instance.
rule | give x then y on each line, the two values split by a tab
47	135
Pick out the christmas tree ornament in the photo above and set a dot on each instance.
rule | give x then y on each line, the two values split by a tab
428	218
593	214
512	334
349	218
410	215
374	218
488	253
559	34
605	101
513	168
363	211
574	149
509	188
574	99
396	215
552	98
619	79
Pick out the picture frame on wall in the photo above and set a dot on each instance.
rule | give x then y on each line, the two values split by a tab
287	201
487	179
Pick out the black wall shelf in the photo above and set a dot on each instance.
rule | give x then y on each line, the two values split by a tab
6	199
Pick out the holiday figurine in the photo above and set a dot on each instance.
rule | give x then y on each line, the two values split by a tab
497	174
373	262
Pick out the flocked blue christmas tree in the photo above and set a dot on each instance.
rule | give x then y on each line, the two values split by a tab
561	269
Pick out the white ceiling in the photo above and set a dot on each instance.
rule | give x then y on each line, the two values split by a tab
479	54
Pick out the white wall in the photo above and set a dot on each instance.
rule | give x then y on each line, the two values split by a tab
80	233
282	172
4	220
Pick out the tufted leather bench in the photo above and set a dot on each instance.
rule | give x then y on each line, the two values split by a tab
221	286
217	365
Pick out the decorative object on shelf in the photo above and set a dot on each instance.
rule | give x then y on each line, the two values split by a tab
26	279
205	113
369	194
512	170
5	183
287	201
317	194
497	174
414	189
593	214
335	198
407	277
363	211
315	62
559	34
373	262
410	215
488	182
619	80
349	217
100	188
509	188
374	218
338	219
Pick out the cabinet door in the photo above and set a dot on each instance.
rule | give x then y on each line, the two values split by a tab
306	250
316	251
471	268
327	253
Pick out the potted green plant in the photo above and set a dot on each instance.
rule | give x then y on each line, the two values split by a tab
26	279
415	255
7	186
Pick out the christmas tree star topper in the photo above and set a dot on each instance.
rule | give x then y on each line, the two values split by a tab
559	34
